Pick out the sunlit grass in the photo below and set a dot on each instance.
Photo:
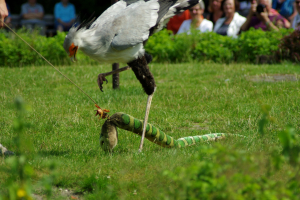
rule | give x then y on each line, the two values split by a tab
190	99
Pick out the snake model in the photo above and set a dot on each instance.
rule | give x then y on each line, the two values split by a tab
109	133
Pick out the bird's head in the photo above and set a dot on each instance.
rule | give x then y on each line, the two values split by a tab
71	44
73	40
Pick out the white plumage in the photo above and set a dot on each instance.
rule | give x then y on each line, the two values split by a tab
118	35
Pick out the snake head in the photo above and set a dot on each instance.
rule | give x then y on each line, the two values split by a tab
102	113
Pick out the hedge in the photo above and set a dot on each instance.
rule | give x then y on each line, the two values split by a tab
163	46
213	47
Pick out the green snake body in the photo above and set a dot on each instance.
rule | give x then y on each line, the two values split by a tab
109	134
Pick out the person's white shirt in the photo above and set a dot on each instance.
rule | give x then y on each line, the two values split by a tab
234	26
205	26
296	22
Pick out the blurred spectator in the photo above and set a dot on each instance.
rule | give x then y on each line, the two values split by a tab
176	21
285	8
64	13
215	11
296	21
285	21
230	24
197	20
245	6
32	15
268	19
3	12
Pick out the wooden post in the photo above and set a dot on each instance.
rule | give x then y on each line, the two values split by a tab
115	66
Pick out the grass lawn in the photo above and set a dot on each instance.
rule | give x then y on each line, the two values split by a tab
191	99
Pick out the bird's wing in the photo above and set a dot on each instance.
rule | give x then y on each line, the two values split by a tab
132	25
168	8
110	12
132	1
179	7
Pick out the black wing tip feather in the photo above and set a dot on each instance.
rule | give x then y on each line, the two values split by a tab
185	5
86	24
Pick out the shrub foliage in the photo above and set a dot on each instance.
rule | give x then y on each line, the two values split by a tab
289	47
163	46
15	52
213	47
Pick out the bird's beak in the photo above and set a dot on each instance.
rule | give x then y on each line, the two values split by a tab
73	58
72	52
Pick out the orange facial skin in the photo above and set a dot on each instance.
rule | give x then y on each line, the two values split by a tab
73	50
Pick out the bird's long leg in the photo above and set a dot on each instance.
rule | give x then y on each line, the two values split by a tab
101	77
143	74
146	120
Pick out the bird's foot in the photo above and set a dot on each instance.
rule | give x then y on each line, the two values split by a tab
100	80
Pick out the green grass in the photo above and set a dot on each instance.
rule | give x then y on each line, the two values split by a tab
215	97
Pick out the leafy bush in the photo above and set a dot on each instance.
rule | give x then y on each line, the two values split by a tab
289	47
15	52
163	46
257	42
213	47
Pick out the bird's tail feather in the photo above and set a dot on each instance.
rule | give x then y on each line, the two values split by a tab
179	7
184	6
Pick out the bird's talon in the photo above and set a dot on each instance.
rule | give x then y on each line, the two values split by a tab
100	80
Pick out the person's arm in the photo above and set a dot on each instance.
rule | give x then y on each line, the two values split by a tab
73	15
57	14
33	16
3	12
246	25
263	16
290	18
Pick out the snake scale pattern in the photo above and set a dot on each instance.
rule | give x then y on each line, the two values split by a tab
109	133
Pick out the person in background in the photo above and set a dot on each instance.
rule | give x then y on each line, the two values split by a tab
176	21
3	12
32	15
197	20
245	6
268	19
230	24
285	8
215	11
296	21
64	13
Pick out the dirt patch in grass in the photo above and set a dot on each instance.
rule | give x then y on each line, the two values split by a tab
59	193
273	78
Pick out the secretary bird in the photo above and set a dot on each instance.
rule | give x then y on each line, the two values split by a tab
120	33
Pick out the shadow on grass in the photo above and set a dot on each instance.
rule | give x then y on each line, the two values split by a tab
53	153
